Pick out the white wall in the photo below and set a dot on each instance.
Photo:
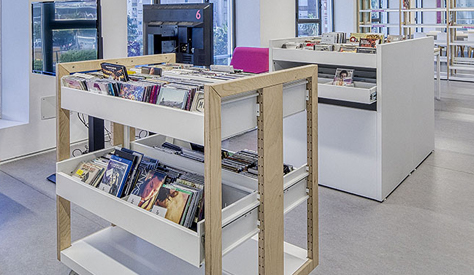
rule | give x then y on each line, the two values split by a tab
277	20
114	28
15	60
247	19
345	19
258	21
38	135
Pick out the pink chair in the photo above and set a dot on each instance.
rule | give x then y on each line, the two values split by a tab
250	60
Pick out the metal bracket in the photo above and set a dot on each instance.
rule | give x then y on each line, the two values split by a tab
307	95
258	109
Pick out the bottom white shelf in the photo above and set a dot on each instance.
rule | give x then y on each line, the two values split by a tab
244	259
115	251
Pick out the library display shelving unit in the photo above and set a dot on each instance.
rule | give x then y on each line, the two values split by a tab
242	232
371	136
451	24
461	41
386	20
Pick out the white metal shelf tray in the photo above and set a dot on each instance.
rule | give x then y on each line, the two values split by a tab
365	93
116	251
238	114
328	58
239	215
294	183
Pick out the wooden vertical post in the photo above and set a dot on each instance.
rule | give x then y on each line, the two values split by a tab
312	162
63	150
270	180
213	181
117	134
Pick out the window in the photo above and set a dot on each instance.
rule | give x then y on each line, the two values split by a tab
64	31
223	27
313	17
135	26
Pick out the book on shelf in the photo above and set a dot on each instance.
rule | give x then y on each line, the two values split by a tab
114	71
146	191
173	97
343	77
333	38
394	38
368	42
367	50
115	176
324	48
348	48
198	102
356	38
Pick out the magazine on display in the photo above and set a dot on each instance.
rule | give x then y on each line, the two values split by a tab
146	190
343	77
115	71
115	176
173	97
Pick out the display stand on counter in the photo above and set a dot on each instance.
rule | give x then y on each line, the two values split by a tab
373	135
242	232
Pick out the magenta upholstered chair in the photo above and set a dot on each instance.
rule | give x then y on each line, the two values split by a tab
250	60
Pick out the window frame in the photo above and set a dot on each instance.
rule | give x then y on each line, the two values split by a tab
314	20
51	25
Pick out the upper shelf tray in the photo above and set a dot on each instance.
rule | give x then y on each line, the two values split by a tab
238	114
330	58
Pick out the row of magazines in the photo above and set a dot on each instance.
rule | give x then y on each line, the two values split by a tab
173	85
340	42
170	192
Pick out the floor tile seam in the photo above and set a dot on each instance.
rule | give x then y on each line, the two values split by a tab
453	152
450	169
46	195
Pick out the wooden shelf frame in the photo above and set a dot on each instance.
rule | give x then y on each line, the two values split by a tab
270	146
408	28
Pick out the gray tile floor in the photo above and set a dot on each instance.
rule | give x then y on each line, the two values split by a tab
425	227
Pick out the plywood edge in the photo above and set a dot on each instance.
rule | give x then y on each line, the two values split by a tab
213	181
63	137
63	220
306	268
90	65
257	82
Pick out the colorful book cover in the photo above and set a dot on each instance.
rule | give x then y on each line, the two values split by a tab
172	97
115	176
132	91
87	172
171	203
368	42
198	103
146	191
115	71
343	77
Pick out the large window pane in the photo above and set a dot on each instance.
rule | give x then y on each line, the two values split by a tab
308	29
222	31
64	31
37	41
135	26
76	10
308	9
74	45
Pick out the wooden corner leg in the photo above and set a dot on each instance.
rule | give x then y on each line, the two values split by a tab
63	219
312	162
270	181
213	181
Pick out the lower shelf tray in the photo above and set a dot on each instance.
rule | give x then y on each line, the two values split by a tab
115	251
239	213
